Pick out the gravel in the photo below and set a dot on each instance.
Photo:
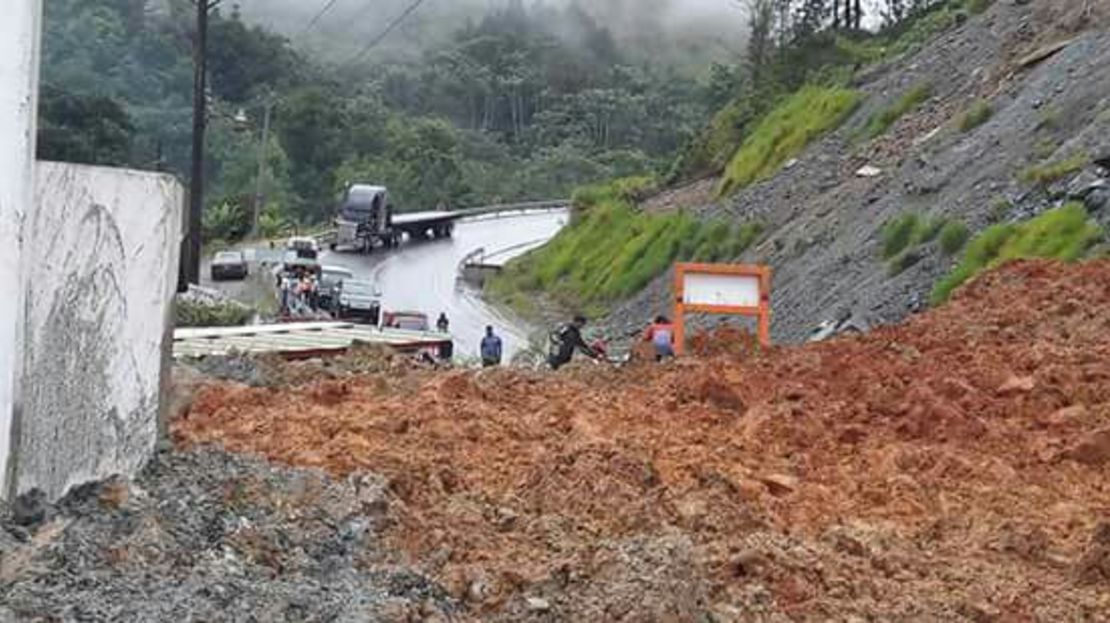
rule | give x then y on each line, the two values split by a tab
207	536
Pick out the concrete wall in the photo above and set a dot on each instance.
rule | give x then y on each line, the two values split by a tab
100	269
19	46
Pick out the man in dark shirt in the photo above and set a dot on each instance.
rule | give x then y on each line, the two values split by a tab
491	349
564	342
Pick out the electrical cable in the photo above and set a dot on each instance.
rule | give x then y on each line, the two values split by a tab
385	33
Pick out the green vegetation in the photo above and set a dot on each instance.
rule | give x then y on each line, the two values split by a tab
1065	233
611	250
1047	173
229	314
976	7
908	230
979	113
504	106
881	121
1000	209
784	132
904	235
953	236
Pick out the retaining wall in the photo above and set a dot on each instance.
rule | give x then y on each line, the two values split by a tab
19	43
100	258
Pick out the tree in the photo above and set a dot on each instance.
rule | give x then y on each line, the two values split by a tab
86	129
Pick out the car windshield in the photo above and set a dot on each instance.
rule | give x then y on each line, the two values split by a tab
228	256
358	287
333	277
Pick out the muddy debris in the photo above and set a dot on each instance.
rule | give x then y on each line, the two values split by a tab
843	480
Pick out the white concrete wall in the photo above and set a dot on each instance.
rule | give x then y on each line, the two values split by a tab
19	46
100	270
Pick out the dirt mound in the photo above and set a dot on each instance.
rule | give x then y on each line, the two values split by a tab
946	468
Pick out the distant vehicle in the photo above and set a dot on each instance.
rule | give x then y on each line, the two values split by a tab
229	265
331	278
405	320
295	263
365	219
358	300
305	247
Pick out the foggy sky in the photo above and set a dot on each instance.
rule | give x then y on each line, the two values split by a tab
716	26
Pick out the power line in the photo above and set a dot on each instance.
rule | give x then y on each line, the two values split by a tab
316	18
385	33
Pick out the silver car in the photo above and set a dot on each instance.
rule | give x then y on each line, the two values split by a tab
359	300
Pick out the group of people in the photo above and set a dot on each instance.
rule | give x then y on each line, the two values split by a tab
568	338
299	292
490	349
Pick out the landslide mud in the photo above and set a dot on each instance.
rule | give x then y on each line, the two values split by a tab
954	467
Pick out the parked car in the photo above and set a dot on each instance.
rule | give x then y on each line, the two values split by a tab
229	265
405	320
331	278
359	300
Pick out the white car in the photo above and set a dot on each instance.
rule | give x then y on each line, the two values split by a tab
359	300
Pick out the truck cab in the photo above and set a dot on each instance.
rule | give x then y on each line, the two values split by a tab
365	218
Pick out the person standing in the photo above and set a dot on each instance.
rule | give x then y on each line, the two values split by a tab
566	340
661	336
286	286
491	349
443	325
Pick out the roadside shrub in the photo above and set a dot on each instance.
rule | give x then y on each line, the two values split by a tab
1065	233
953	236
1047	173
227	314
611	251
881	121
630	189
979	113
785	131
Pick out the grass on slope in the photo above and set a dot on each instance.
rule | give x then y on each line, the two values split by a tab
611	250
881	121
785	131
1065	233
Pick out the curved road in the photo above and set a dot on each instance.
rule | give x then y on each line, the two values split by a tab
423	276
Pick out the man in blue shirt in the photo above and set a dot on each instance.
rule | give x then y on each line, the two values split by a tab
491	349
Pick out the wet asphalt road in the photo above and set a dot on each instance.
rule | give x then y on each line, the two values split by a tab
423	276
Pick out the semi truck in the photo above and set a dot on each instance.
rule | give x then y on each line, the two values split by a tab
365	221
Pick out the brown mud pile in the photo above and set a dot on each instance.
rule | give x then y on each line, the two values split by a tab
956	467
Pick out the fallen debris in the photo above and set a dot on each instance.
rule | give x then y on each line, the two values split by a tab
203	536
837	480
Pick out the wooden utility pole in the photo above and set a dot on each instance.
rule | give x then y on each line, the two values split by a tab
190	253
259	194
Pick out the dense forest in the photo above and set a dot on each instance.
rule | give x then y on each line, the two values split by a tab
515	101
507	106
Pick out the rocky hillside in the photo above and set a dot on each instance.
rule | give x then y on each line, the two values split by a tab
1003	117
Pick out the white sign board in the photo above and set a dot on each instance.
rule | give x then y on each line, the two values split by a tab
718	289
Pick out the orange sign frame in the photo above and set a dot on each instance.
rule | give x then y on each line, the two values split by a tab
761	312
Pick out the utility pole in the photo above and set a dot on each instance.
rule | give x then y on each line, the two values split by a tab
190	253
259	195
